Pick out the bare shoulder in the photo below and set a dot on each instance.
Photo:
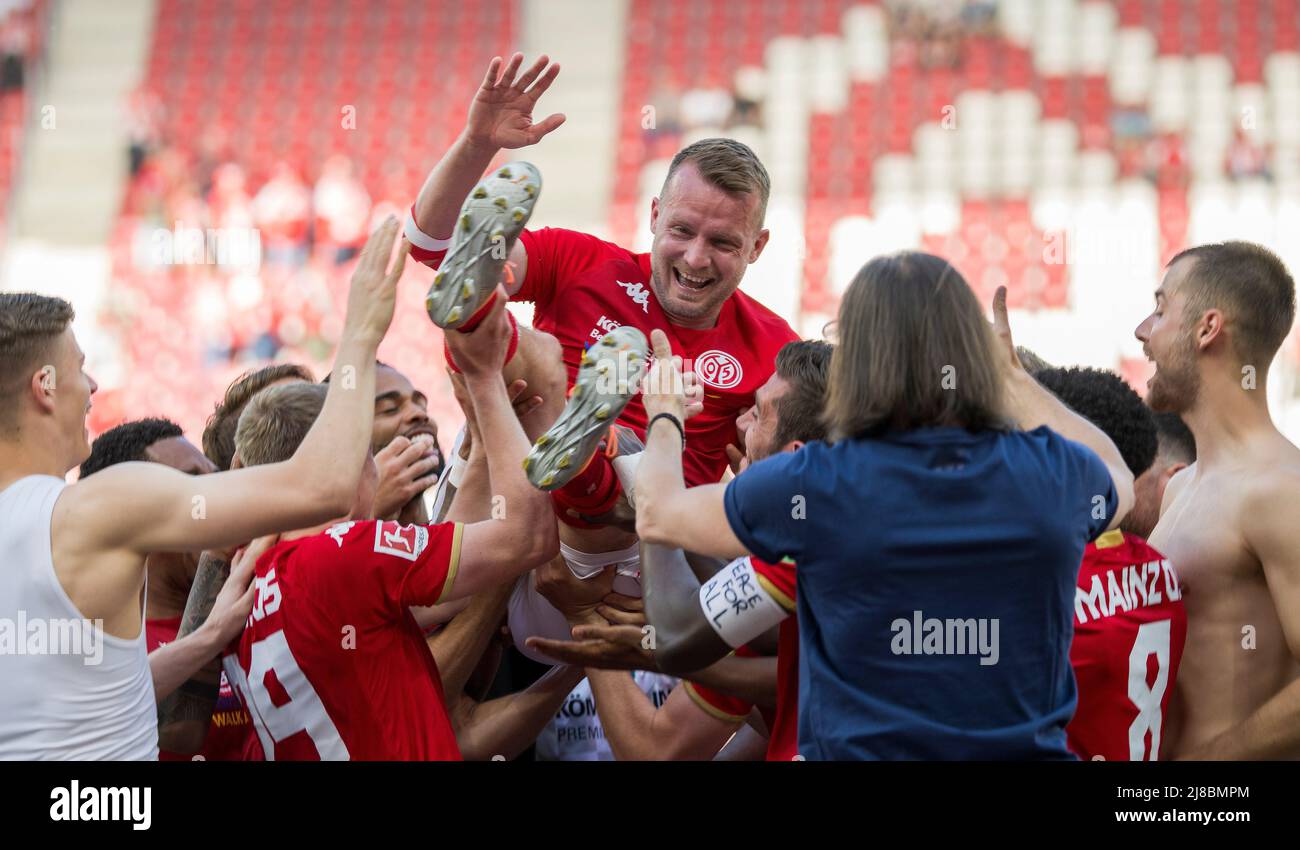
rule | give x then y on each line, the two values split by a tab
1269	502
1176	486
87	512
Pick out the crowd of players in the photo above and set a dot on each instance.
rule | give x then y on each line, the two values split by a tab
913	541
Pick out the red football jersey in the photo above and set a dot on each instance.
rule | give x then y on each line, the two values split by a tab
331	665
1129	627
231	727
584	287
783	724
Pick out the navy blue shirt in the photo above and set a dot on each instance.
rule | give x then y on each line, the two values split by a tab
936	577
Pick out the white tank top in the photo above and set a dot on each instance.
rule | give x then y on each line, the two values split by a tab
67	689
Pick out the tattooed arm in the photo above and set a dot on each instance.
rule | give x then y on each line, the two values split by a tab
214	614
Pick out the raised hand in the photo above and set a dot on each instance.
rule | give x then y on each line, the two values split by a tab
1002	327
372	293
664	387
501	115
230	610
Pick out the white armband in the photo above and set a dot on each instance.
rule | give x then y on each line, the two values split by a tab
737	605
420	239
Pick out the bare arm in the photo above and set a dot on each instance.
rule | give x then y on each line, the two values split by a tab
173	665
750	679
1273	730
497	550
667	512
500	116
1032	406
458	646
146	507
746	745
637	731
508	725
684	639
184	716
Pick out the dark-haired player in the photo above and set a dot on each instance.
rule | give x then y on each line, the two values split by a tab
1129	622
171	576
1229	520
1175	451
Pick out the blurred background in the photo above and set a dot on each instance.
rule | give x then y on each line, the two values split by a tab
197	175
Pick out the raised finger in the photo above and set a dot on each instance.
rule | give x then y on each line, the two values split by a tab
399	264
531	74
512	67
544	83
493	71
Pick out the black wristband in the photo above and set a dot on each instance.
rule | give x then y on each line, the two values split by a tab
671	418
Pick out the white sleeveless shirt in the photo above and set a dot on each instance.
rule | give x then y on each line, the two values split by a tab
67	689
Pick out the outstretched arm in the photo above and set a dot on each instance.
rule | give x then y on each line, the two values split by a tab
667	511
508	725
139	508
684	639
174	665
637	731
215	613
521	532
501	116
1032	405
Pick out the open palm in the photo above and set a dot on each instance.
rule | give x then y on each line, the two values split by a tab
502	112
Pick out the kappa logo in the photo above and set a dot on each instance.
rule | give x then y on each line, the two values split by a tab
638	293
338	532
718	369
404	541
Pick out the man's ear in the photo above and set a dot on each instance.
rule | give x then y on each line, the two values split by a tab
793	446
43	387
759	244
1171	470
1209	328
654	213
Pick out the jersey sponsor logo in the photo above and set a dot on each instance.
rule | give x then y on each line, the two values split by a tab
638	293
338	532
718	369
603	326
404	541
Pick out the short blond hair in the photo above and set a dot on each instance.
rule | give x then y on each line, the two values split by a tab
730	165
275	422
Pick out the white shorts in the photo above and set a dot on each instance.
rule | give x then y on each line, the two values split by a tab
532	616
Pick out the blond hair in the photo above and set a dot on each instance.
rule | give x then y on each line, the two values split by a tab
275	422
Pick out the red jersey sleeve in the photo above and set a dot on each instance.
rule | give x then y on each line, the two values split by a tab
555	256
778	580
407	564
720	705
